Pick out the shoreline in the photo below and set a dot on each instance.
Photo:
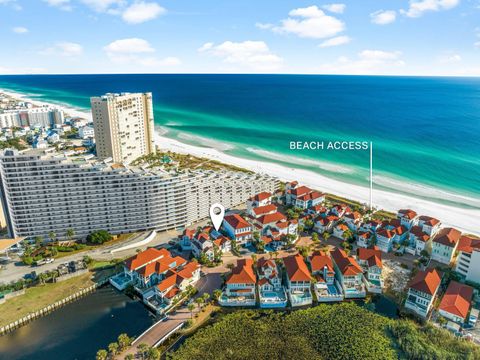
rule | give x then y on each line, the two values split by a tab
463	219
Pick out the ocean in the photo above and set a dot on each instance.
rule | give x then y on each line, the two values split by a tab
425	130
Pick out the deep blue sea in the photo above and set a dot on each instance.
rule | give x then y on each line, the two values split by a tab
425	131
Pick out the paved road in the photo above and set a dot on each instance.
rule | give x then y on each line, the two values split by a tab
16	270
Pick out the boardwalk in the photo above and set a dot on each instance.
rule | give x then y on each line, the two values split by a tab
162	329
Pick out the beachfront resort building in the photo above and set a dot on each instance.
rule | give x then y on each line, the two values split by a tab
240	285
123	126
349	274
270	289
444	245
298	280
44	191
157	276
468	260
456	302
422	290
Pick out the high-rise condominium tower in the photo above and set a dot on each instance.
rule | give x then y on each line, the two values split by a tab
123	126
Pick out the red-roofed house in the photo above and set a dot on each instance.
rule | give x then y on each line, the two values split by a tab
203	245
364	239
325	285
256	212
444	245
370	260
298	280
150	268
261	199
422	290
349	274
420	240
428	224
272	293
303	197
407	217
456	302
240	285
353	220
339	230
468	260
238	229
186	239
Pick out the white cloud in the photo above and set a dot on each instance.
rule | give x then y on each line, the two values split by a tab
64	48
140	12
383	17
11	3
336	41
20	30
450	58
309	22
252	54
135	51
418	7
61	4
477	44
335	8
367	62
129	46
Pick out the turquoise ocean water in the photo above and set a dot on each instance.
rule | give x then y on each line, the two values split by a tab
425	131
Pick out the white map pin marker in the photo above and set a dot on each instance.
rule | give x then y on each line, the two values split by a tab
217	212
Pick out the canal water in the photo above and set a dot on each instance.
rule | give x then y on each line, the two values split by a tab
78	330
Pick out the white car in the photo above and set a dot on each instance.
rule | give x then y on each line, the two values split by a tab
49	260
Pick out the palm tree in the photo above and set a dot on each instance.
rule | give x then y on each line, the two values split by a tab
217	293
190	308
52	236
206	297
142	349
153	354
326	235
70	234
199	302
113	348
129	357
254	258
102	354
42	277
124	341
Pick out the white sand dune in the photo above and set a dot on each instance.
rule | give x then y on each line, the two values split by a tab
466	220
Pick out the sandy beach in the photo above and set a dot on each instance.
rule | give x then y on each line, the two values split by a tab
466	220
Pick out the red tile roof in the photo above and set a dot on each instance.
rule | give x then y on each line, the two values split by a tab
457	299
301	190
318	261
236	221
261	196
373	256
467	244
426	281
189	233
296	268
429	220
407	213
271	218
448	237
145	257
242	273
419	234
264	209
347	264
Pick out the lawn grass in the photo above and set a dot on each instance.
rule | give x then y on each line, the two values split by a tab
37	297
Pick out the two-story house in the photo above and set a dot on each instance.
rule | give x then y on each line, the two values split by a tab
325	285
238	229
456	302
422	290
444	245
370	259
407	217
349	274
240	285
428	224
270	288
298	280
419	240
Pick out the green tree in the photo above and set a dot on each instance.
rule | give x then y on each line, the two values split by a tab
190	308
70	234
113	348
102	354
216	294
124	341
199	301
153	354
315	237
129	357
52	236
38	241
326	235
142	350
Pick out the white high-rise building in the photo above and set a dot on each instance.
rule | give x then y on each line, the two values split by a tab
123	126
43	192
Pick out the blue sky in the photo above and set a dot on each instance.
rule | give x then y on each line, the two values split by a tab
416	37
